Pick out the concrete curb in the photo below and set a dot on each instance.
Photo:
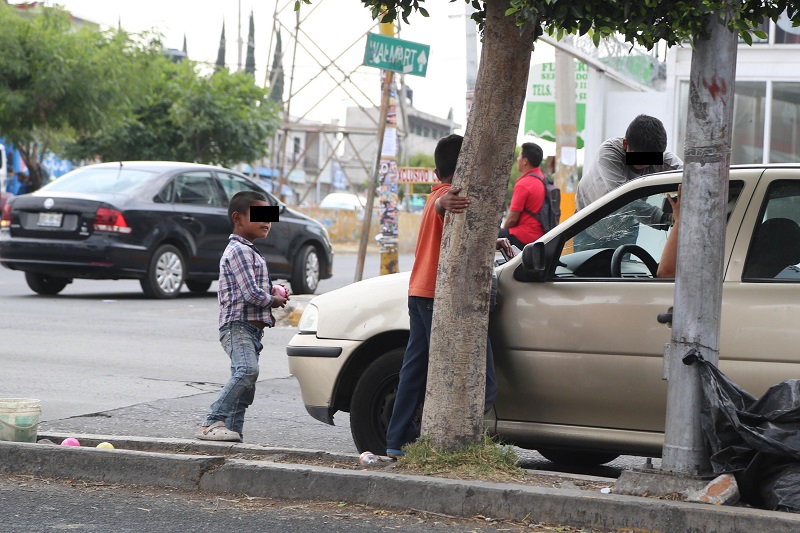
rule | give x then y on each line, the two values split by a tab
220	474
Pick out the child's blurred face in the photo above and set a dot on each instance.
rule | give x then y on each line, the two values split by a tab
251	230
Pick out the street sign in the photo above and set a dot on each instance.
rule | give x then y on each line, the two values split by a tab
397	55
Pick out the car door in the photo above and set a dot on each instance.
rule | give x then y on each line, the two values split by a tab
583	349
202	211
761	302
275	247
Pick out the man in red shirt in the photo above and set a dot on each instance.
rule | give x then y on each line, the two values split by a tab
521	226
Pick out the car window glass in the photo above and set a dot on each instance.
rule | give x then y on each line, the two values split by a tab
774	251
165	195
644	220
197	188
232	184
115	180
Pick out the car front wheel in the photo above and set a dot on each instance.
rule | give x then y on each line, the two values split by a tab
165	273
305	273
373	400
44	284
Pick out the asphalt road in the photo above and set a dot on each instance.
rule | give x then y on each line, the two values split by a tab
35	505
103	359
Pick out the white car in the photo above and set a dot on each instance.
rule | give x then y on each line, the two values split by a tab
577	345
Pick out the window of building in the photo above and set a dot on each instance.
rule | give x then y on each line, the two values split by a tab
784	144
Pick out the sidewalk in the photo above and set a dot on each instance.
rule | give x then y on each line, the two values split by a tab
270	472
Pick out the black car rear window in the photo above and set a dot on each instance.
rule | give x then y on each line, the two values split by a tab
102	180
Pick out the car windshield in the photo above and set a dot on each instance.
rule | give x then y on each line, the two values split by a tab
102	180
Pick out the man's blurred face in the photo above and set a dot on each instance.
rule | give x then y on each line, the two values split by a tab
522	162
628	149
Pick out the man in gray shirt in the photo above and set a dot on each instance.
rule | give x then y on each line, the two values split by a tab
608	170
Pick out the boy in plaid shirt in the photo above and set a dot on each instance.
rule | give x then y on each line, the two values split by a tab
246	297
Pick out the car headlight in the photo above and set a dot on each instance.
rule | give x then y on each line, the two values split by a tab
309	321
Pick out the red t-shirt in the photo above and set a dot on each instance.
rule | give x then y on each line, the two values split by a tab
528	195
429	242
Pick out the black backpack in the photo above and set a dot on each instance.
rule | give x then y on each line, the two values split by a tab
550	214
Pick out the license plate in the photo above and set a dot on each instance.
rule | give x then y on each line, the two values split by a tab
50	220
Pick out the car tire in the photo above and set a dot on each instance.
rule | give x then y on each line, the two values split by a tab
373	400
305	273
576	458
44	284
197	286
165	273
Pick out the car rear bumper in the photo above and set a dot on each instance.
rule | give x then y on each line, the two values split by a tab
317	368
97	257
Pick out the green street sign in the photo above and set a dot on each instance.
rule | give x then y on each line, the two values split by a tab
397	55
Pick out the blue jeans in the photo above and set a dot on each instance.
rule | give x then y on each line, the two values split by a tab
242	343
414	375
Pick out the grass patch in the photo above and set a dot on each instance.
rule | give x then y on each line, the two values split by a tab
489	460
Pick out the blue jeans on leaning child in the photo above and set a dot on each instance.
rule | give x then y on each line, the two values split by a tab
414	375
242	343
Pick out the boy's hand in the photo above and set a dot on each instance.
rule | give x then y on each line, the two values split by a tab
451	202
279	301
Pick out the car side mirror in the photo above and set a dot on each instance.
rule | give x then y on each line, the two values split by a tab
534	258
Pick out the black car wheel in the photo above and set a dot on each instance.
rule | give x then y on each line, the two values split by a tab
44	284
576	458
197	286
165	273
305	273
373	400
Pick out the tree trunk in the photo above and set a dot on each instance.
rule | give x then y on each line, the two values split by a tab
698	280
454	401
30	155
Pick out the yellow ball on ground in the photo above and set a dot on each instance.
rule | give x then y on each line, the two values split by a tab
106	445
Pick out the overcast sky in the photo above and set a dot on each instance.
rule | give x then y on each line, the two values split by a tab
333	25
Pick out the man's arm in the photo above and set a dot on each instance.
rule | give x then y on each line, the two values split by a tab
512	219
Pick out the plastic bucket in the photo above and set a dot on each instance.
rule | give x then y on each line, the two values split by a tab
19	419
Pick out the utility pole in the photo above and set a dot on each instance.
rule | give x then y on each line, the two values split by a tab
386	174
698	279
566	136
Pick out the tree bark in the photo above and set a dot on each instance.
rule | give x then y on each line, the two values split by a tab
698	279
454	401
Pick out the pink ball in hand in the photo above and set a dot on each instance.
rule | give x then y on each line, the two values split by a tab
279	290
70	441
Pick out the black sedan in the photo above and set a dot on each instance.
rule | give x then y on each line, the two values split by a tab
163	223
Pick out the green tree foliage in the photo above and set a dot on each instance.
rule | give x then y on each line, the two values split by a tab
57	81
421	160
223	118
250	61
276	72
642	22
220	64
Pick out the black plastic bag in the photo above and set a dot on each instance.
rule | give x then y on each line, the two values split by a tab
758	440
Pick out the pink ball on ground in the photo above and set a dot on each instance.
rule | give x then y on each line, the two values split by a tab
70	441
279	290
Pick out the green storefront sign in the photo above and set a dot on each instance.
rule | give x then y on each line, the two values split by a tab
540	102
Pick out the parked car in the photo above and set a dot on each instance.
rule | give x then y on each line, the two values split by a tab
163	223
578	348
345	201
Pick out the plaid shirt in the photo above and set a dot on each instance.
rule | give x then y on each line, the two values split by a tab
245	290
